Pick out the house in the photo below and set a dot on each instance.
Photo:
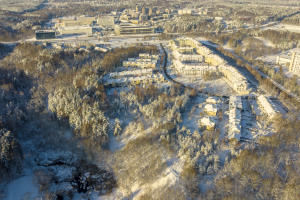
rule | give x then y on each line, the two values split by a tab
211	109
207	124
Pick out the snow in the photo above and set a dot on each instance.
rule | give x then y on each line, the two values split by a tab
266	42
284	27
18	187
205	41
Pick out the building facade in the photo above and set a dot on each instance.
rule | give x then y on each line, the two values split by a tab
295	63
106	21
132	29
40	35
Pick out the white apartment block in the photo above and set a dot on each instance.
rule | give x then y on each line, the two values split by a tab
144	61
149	56
199	69
295	63
235	116
267	106
144	76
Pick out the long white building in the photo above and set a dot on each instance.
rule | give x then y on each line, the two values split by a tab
235	116
267	106
117	79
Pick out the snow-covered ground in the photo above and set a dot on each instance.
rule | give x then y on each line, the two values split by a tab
265	41
284	27
20	188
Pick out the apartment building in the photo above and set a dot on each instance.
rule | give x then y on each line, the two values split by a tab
295	63
235	116
267	106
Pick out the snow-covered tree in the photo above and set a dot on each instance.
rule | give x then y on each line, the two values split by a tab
117	127
210	170
10	150
202	170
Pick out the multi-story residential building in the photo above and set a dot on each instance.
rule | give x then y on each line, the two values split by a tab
188	45
295	63
267	106
283	60
145	76
187	57
76	30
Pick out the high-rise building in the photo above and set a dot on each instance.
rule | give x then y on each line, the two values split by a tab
138	9
150	11
145	10
143	17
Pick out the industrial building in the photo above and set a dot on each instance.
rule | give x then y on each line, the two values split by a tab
131	29
44	34
267	106
106	21
76	30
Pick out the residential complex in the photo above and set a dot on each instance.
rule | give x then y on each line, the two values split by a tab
144	76
267	106
182	51
144	61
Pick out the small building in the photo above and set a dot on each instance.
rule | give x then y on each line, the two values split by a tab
44	34
211	109
211	100
283	60
207	124
267	106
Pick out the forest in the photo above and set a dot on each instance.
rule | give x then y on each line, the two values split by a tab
43	98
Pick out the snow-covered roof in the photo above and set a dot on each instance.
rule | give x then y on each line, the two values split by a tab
235	102
206	121
234	133
268	106
211	100
211	108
